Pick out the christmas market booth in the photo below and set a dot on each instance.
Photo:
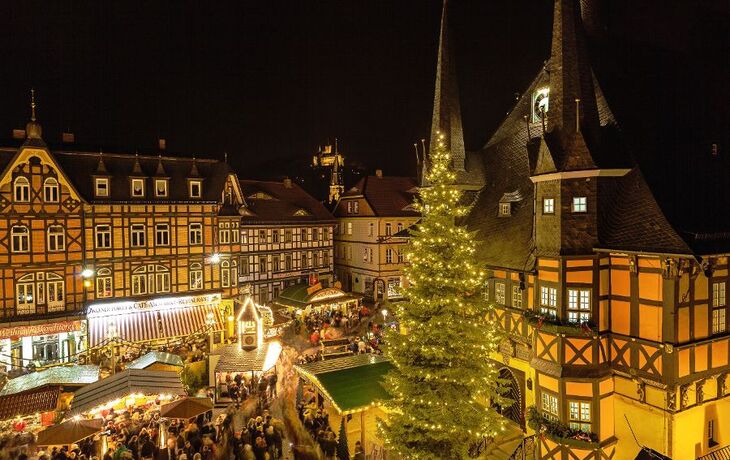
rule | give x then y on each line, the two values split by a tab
349	389
35	399
306	299
242	363
158	361
132	388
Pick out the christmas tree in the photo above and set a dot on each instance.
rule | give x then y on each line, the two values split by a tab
442	383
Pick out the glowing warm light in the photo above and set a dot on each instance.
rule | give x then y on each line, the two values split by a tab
215	258
87	272
272	355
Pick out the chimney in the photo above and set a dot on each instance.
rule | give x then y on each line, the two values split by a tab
287	182
68	138
18	134
162	144
379	173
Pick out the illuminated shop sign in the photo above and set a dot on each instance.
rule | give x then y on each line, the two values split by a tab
167	303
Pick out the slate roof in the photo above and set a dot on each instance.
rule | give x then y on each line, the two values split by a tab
282	205
389	196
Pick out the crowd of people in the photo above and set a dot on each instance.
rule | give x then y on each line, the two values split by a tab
238	388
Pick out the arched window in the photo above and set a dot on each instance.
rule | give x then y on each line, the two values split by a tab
20	238
56	238
234	273
196	276
104	283
55	292
225	273
50	190
139	280
162	278
21	190
25	295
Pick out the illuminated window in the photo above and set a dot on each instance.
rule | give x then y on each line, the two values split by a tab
196	277
579	305
356	207
349	228
25	296
225	273
161	188
580	204
162	279
55	292
196	188
505	209
234	273
104	283
137	235
516	297
56	238
499	293
103	236
162	235
20	238
224	233
349	207
275	236
21	190
195	232
137	188
580	415
50	190
548	301
548	206
388	256
235	233
139	281
101	186
549	406
719	308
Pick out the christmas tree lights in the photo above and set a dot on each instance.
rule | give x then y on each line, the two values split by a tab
443	381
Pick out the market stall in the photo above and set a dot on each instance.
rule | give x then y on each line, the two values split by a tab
306	299
349	390
158	361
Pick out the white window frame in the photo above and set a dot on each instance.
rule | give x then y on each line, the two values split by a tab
579	415
139	281
21	190
104	283
25	298
371	229
162	234
580	204
164	192
56	238
548	301
388	229
51	190
505	209
195	188
55	293
275	235
401	256
719	307
500	292
20	239
549	405
196	277
225	274
133	181
516	296
195	234
548	205
224	233
388	256
137	235
101	186
103	236
579	305
349	228
356	207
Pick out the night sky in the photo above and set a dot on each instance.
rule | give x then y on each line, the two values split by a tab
270	80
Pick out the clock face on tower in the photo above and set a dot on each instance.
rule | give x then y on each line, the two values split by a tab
540	101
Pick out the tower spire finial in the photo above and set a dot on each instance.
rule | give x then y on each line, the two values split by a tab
32	104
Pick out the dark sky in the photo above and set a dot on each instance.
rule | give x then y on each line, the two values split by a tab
273	79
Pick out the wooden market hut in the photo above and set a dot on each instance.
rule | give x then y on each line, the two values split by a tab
124	385
44	392
305	298
158	361
350	388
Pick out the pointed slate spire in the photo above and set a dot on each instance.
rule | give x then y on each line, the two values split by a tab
100	166
194	169
446	107
137	168
33	129
160	171
571	77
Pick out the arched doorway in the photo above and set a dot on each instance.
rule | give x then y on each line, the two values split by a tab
516	394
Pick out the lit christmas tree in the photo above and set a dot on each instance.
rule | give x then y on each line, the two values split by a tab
443	382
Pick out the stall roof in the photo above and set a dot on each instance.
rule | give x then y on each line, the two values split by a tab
303	295
29	402
351	383
125	383
54	376
145	361
233	359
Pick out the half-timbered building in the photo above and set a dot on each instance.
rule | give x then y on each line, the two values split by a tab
286	238
99	246
615	310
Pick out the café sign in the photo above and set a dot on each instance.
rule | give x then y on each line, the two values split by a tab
167	303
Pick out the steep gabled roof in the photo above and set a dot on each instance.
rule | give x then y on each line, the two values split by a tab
388	196
269	201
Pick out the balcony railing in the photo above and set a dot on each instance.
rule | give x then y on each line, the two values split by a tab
720	454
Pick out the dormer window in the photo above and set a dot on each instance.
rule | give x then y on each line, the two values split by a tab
101	186
21	190
137	188
50	190
356	207
505	209
548	206
195	188
161	188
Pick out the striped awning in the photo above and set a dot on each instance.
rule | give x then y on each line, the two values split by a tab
149	325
